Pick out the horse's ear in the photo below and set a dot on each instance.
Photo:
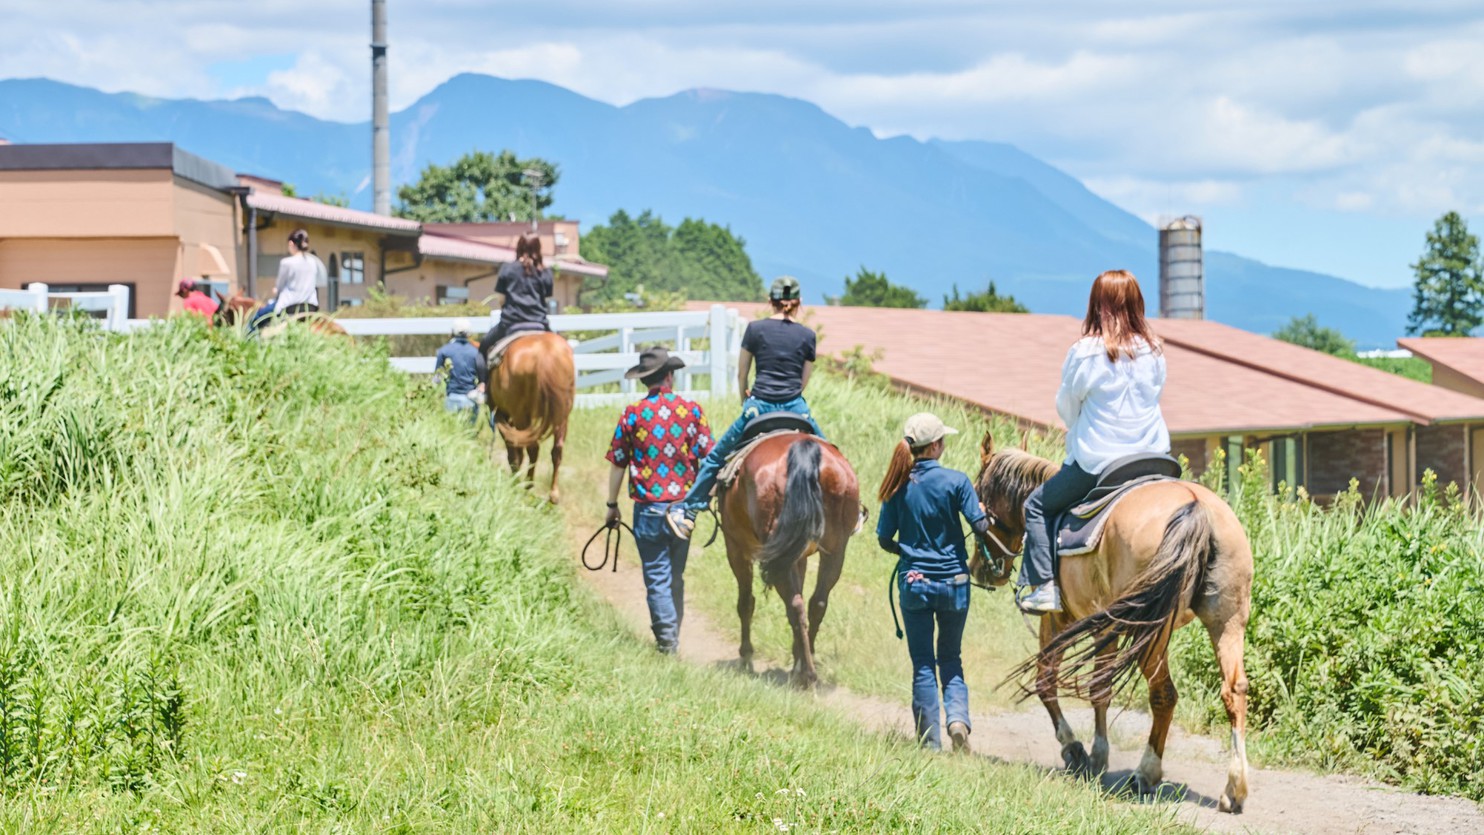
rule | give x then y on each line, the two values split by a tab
986	447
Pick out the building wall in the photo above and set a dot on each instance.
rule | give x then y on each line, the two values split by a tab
1446	377
150	264
206	216
1336	457
1444	450
87	204
422	285
1195	451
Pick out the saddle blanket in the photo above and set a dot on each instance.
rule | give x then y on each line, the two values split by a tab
497	350
1080	529
733	466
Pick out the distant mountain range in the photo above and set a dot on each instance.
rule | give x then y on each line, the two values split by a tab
812	196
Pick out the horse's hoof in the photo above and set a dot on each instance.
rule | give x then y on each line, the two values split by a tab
1142	787
1075	756
1229	806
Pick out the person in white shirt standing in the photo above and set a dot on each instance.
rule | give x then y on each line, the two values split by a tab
1109	399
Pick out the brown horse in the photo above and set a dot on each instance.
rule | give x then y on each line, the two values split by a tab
795	495
1170	552
239	309
530	397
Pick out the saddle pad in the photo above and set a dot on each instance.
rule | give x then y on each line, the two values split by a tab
1080	529
497	350
733	465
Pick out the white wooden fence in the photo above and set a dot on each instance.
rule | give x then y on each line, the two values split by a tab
113	303
602	359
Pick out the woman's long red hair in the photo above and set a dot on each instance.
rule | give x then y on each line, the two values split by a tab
1115	312
897	471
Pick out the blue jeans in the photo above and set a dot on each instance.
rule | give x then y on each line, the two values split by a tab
1043	510
263	315
662	556
463	403
944	603
700	492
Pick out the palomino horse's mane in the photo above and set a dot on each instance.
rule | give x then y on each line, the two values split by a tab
1013	474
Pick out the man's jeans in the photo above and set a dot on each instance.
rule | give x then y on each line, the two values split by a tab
463	403
944	603
662	556
700	492
1042	510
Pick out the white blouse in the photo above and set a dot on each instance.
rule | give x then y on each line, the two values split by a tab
1111	409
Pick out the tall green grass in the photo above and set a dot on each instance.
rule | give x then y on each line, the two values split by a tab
272	587
1366	645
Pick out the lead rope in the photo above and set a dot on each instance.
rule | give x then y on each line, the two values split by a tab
891	601
611	544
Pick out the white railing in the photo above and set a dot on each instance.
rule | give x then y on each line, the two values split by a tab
602	360
113	303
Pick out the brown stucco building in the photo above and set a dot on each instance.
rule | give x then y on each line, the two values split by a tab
146	215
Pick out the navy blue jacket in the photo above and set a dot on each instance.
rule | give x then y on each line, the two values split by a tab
468	365
923	517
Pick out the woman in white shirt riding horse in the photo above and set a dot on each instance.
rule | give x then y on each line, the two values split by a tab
1109	400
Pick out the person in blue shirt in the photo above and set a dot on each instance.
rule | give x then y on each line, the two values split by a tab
921	502
464	367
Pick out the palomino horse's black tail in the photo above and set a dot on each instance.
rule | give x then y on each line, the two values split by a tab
802	521
1137	623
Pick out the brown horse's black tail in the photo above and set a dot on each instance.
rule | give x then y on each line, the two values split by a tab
1138	622
802	520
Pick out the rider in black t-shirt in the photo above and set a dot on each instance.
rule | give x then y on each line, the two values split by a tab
524	287
784	350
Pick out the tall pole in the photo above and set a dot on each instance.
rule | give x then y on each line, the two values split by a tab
381	143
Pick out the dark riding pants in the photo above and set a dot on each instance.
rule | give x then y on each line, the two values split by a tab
1068	487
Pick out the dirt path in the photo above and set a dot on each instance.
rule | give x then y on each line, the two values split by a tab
1280	801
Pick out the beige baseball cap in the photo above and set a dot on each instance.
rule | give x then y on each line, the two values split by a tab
923	428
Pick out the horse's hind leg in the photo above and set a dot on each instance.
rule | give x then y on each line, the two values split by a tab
741	563
791	591
1229	638
830	565
558	440
1072	752
1101	696
1162	700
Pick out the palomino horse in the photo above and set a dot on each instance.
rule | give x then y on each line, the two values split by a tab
238	309
795	495
1171	551
530	398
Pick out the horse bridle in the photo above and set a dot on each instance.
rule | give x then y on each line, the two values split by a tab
1001	563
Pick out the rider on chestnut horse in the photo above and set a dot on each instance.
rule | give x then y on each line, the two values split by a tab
784	350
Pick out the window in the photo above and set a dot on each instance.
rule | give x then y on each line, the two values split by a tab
352	268
351	302
452	295
1288	462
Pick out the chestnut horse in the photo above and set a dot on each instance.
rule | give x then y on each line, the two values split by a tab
1171	551
794	496
530	396
239	309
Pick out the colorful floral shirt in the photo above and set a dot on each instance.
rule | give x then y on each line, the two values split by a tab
661	439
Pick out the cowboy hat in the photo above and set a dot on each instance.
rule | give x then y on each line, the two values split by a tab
654	360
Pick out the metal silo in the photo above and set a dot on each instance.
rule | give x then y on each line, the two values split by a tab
1182	281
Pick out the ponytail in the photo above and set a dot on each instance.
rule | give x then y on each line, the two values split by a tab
897	472
788	307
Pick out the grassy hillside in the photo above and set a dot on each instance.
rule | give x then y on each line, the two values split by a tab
1366	645
273	587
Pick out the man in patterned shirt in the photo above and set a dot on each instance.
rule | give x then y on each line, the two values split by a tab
659	442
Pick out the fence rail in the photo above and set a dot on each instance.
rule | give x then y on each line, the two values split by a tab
604	345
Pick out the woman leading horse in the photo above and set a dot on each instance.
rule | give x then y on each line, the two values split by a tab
1170	551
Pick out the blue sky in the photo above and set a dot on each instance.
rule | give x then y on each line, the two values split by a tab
1309	133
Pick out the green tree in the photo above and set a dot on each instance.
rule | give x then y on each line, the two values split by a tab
478	187
698	259
870	289
1448	297
1308	333
988	301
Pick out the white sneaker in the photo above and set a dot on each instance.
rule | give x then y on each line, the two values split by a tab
1043	599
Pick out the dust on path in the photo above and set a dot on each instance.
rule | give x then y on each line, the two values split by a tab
1279	802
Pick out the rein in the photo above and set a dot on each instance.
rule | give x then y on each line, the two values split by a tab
611	544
